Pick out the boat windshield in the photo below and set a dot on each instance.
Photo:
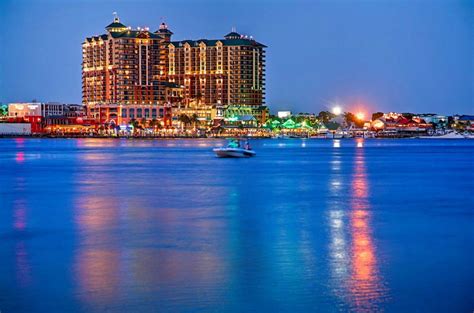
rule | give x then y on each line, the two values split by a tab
233	143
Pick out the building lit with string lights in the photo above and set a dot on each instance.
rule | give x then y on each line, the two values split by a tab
139	74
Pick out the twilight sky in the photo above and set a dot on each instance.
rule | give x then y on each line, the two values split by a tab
404	55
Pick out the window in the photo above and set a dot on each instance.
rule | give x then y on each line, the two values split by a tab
153	113
124	112
139	113
147	113
131	113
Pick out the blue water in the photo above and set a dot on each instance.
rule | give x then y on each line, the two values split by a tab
97	225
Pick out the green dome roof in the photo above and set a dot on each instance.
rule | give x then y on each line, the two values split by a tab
116	24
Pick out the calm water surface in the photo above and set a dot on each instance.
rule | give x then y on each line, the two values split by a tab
96	225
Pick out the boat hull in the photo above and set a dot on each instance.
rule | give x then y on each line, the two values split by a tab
233	153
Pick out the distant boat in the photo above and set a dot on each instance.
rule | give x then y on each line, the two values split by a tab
234	150
450	135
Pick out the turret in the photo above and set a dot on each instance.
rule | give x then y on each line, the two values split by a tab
116	26
233	35
164	32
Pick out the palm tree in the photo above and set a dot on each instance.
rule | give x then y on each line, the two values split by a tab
152	123
184	119
158	125
143	121
194	119
134	123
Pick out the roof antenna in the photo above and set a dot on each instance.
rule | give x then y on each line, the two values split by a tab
233	29
116	18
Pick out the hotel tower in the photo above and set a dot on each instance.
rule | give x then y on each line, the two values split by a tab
135	74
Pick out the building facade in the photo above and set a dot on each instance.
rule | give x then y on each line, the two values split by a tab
137	74
41	115
225	71
124	67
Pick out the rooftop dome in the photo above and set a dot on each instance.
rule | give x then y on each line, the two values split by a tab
233	35
116	26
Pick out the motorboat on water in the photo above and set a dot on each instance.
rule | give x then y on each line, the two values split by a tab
235	150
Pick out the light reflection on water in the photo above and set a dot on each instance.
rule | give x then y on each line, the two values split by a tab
164	224
355	277
366	282
153	259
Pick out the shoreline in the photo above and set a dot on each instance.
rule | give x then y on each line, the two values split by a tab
204	137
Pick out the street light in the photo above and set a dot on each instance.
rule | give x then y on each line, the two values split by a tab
337	110
360	116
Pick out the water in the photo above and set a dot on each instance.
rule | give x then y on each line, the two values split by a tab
96	225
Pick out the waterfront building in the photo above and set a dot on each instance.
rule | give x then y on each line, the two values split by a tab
42	115
225	71
132	73
398	123
243	112
440	121
45	110
464	122
122	73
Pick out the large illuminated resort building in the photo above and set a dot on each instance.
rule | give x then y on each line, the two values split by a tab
138	74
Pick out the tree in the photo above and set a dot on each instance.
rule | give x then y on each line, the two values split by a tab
3	110
332	125
184	119
194	119
325	116
153	122
349	118
134	123
376	115
143	121
407	115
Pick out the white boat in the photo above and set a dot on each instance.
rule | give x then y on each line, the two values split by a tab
233	152
468	135
450	135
